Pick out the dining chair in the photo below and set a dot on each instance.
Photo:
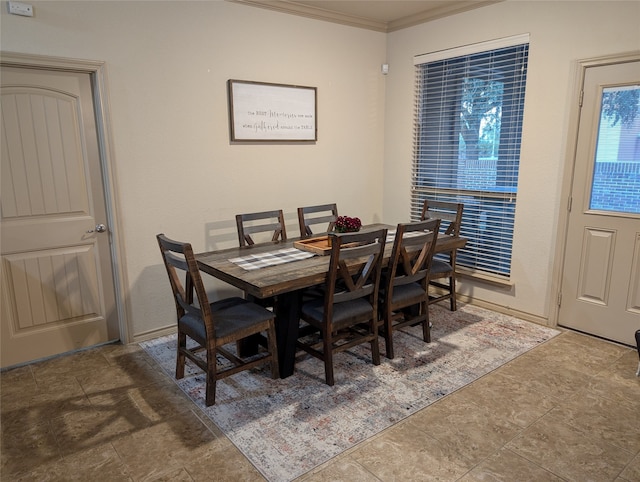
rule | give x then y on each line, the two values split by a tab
263	222
249	224
450	215
212	325
308	216
313	215
348	314
404	290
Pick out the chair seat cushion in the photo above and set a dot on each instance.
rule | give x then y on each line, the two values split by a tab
229	315
345	311
407	292
439	266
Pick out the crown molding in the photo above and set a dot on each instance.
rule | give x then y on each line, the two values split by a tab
447	10
305	10
316	13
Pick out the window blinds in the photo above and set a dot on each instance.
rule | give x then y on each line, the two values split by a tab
468	126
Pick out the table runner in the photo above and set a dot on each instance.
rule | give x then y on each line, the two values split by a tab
272	258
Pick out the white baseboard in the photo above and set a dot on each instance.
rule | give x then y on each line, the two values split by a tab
151	334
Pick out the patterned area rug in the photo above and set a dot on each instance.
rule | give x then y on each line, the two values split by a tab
288	427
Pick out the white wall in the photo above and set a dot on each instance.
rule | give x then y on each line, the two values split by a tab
168	63
561	33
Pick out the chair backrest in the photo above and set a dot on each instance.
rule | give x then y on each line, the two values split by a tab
449	213
266	221
180	262
354	267
320	214
412	254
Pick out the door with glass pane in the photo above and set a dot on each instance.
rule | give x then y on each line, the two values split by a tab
601	278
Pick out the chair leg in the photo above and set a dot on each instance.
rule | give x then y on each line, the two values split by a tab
327	343
210	396
375	347
426	325
388	334
180	359
388	338
452	287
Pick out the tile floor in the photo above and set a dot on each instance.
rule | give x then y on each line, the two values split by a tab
567	410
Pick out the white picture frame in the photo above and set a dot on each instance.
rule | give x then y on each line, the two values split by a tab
260	111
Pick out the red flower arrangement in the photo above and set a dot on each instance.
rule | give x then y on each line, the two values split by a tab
345	224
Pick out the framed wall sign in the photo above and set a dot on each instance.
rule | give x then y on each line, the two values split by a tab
260	111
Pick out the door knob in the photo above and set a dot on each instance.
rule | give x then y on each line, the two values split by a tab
100	228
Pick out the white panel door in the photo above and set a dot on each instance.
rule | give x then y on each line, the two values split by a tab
57	284
601	278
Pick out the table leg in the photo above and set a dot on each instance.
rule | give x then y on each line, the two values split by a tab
287	311
249	346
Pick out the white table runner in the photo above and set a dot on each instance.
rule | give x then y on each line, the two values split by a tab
272	258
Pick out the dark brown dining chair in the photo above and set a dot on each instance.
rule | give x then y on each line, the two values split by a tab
348	314
404	293
450	215
271	222
321	214
212	325
325	214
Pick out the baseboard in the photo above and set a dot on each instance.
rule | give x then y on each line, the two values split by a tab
157	333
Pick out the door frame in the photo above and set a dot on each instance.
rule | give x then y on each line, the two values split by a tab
98	75
580	69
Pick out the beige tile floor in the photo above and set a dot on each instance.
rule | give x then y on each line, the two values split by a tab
567	410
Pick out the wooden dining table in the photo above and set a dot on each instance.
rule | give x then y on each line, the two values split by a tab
287	281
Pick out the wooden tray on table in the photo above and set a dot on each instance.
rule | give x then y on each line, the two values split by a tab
319	245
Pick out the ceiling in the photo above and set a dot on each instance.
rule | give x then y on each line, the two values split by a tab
379	15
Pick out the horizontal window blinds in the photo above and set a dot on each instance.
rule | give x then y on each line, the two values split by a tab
468	125
464	50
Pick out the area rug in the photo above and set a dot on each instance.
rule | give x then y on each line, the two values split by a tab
287	427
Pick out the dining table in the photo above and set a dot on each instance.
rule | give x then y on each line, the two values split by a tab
286	279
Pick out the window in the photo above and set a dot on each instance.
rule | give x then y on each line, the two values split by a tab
616	173
468	125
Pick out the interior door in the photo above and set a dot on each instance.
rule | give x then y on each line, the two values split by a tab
58	290
600	291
